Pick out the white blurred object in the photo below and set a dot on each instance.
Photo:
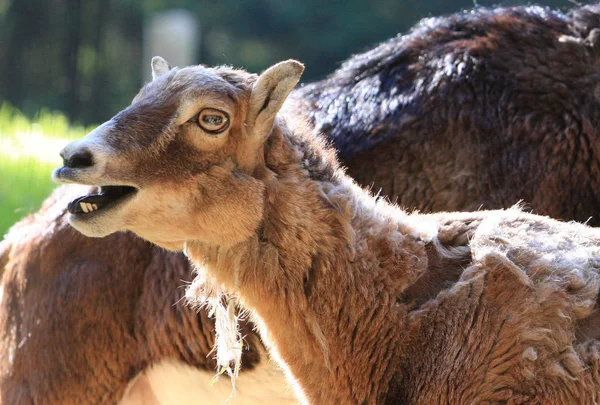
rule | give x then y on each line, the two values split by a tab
174	35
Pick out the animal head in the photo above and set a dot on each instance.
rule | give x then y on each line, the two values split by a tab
178	163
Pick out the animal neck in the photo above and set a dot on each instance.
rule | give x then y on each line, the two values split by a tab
323	274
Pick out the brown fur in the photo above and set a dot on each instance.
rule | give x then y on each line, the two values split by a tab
339	283
78	332
355	335
398	169
479	109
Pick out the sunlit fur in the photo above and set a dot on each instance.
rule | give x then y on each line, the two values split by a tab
80	318
176	383
359	301
478	109
374	151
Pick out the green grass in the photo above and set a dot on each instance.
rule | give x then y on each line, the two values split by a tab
28	153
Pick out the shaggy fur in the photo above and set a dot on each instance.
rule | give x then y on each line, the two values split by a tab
78	324
394	121
337	281
478	109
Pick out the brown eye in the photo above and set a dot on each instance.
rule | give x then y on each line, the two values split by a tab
213	121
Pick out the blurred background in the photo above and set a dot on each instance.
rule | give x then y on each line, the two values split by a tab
69	64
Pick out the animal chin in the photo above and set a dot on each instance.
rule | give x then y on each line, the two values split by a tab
105	199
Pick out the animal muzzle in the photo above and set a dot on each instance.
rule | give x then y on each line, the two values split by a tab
79	159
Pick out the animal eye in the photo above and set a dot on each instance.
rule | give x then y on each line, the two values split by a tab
212	120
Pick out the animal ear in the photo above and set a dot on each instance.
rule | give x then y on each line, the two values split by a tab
268	95
159	67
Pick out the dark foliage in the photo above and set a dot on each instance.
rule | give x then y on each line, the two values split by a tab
85	57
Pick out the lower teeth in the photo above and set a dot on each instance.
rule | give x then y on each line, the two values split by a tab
94	202
87	207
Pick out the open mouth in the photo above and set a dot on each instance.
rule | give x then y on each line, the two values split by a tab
106	197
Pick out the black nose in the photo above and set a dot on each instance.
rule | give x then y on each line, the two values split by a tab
78	160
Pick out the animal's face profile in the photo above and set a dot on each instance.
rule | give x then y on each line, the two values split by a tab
177	163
